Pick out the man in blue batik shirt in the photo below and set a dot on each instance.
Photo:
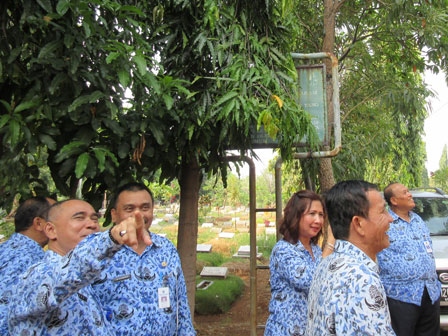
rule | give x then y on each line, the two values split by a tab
346	295
143	291
54	297
407	268
22	249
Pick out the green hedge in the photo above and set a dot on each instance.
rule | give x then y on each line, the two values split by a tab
218	297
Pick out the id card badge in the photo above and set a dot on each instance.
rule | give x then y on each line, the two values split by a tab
428	246
164	297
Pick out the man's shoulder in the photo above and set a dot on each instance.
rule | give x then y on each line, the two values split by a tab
17	257
162	242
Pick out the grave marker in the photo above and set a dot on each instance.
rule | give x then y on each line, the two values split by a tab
216	272
205	248
226	235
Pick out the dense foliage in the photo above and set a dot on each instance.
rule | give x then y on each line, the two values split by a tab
110	91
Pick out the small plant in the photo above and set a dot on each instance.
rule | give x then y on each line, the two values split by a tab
212	258
6	225
219	296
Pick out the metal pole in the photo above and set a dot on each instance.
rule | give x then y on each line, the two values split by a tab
253	240
278	194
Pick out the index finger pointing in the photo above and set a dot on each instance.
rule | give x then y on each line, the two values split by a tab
139	220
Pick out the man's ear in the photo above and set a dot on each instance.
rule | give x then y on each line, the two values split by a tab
113	215
50	230
357	225
39	224
393	201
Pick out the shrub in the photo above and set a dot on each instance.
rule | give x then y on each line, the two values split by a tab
211	259
218	297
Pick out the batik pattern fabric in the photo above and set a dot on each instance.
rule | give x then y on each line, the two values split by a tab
292	268
54	297
346	296
129	292
17	254
407	266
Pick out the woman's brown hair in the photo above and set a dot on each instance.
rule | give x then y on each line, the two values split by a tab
297	205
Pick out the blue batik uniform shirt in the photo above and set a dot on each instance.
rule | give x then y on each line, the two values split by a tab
17	254
129	291
292	269
54	297
346	296
407	266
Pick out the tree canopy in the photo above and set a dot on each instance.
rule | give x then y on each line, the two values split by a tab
109	91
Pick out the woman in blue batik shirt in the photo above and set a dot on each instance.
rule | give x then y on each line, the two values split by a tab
293	262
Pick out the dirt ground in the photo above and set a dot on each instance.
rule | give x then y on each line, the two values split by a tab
236	321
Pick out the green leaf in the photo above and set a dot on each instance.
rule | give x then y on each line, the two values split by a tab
46	4
14	129
132	9
56	82
81	164
62	7
49	49
124	78
101	157
86	27
13	54
4	120
157	133
48	141
95	96
226	97
6	105
169	101
123	150
26	105
112	157
111	57
73	148
78	102
140	62
152	82
228	107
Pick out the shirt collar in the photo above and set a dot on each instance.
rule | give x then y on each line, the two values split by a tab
345	247
19	237
396	217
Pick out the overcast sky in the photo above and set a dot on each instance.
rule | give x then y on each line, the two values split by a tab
436	125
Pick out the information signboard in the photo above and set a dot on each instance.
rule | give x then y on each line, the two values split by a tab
312	92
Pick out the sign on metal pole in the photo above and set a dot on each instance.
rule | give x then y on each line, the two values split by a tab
313	99
312	92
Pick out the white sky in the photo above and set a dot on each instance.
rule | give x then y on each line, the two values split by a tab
436	125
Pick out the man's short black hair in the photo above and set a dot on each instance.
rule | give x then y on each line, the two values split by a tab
388	193
345	200
133	186
28	210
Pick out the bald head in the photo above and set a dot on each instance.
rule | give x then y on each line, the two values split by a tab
69	222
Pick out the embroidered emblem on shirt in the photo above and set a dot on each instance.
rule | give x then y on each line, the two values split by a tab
42	296
331	325
124	312
53	319
377	298
335	265
144	274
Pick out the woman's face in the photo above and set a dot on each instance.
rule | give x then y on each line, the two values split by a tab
311	221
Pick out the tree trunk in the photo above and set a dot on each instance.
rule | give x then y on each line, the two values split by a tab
187	234
326	177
